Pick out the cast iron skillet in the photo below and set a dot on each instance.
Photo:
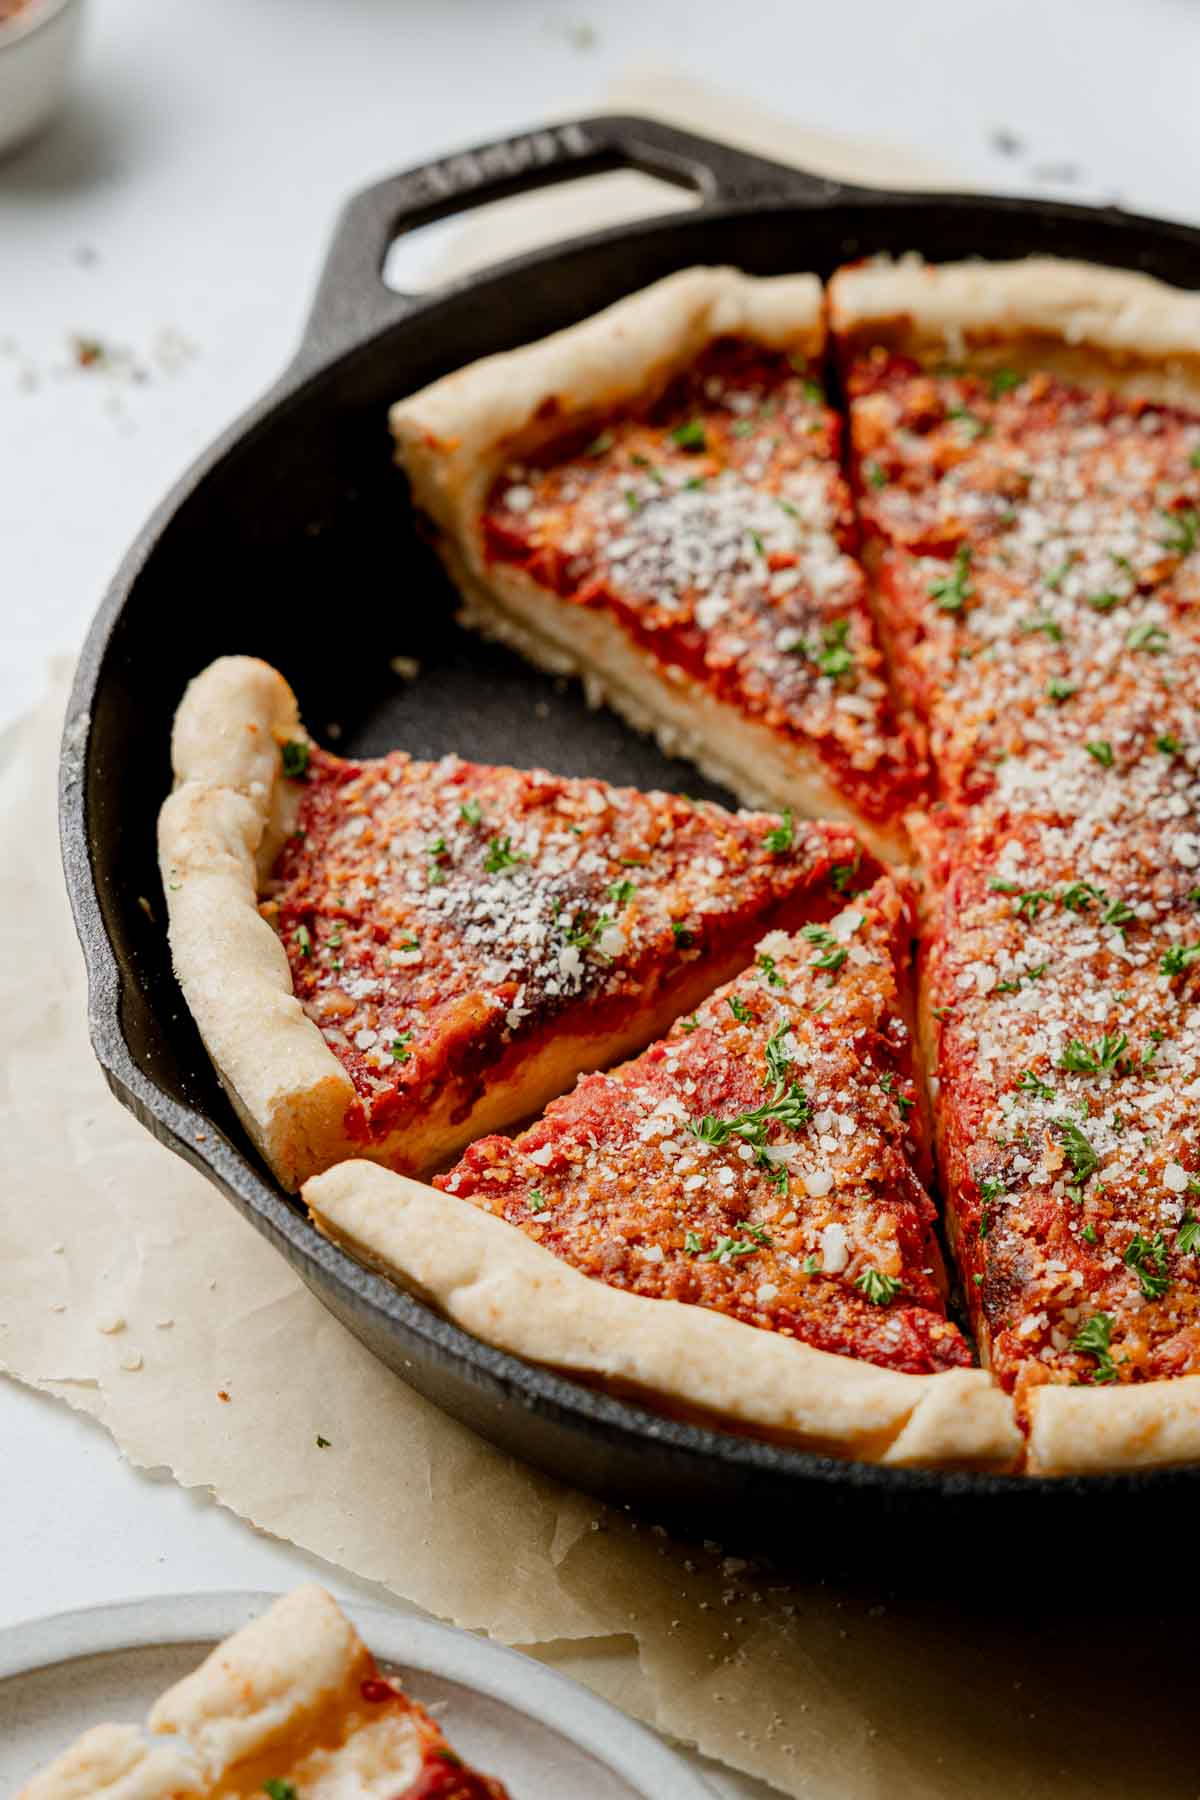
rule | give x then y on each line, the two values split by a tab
292	539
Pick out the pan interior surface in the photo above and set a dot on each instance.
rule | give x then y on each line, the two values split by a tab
295	542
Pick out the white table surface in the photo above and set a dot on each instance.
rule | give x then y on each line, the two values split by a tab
180	209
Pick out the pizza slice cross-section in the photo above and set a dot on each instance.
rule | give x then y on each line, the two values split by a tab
653	498
1026	449
388	958
292	1706
1061	1015
733	1226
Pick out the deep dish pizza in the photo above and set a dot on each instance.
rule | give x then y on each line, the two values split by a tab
427	951
292	1706
978	648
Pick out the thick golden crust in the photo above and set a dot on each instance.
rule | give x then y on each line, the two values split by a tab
114	1762
216	834
495	1282
289	1675
1094	1431
1074	318
292	1702
452	436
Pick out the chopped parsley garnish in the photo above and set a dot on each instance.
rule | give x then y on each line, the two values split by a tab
770	973
1088	1234
1079	896
1102	750
729	1249
690	436
879	1289
280	1790
833	656
1013	985
876	475
788	1108
973	426
842	874
397	1049
1030	902
1117	912
296	754
302	938
1030	1084
1169	746
323	1443
779	838
759	547
633	500
954	590
1058	689
741	428
739	1009
1004	381
680	933
990	1189
1185	530
831	954
435	852
778	1060
998	885
1043	622
689	1025
1104	602
1094	1338
537	1200
1179	957
1187	1238
811	1266
1194	459
1151	638
604	441
1147	1257
1101	1059
693	1243
622	892
501	856
1079	1153
583	932
471	813
887	1081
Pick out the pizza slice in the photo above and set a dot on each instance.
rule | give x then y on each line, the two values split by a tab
293	1707
654	499
1026	452
1060	1006
387	958
734	1226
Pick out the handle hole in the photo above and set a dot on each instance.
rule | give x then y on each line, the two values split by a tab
449	248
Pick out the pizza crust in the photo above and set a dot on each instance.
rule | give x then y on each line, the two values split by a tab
454	437
495	1282
114	1762
1097	1430
1081	320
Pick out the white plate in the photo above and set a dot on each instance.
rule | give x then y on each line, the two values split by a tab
537	1731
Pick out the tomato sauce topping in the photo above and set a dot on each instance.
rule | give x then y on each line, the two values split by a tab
1036	552
762	1160
714	523
438	916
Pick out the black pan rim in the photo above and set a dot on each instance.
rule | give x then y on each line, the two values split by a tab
193	1135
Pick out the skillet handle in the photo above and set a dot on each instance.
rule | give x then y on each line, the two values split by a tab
351	301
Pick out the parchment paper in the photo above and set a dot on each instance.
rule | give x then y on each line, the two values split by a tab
132	1290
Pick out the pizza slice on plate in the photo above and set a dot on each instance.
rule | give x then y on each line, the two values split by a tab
654	498
1026	449
388	958
292	1707
733	1226
1061	1018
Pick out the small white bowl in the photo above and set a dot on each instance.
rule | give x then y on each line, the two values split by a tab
37	54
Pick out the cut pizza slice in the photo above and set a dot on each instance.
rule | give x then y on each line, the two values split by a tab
1060	1006
292	1706
733	1226
387	958
654	499
1026	450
